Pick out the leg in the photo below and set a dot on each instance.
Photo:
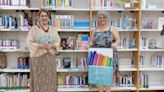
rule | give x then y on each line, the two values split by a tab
100	88
107	89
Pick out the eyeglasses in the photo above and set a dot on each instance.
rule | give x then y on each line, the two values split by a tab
102	17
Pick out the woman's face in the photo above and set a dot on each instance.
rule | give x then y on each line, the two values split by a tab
43	18
102	20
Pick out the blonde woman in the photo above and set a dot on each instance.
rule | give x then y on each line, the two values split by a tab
43	42
105	36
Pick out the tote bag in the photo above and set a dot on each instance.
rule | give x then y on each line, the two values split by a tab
100	69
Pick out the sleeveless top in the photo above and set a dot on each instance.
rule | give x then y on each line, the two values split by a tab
103	39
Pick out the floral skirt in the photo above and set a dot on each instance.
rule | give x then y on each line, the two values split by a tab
43	73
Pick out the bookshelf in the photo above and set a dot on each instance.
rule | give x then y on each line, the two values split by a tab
142	17
148	66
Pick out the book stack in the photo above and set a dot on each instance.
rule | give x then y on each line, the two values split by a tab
10	3
22	21
68	43
14	81
8	44
58	3
68	79
79	42
126	80
157	61
69	22
124	22
147	23
102	4
23	62
82	62
63	21
144	80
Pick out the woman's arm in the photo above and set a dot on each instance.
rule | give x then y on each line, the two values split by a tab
116	38
57	40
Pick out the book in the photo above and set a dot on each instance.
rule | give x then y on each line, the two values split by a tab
160	23
67	62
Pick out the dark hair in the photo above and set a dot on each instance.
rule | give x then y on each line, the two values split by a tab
46	11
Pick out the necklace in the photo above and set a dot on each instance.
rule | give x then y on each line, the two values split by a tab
44	29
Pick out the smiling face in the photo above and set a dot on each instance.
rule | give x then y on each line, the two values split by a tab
43	18
102	20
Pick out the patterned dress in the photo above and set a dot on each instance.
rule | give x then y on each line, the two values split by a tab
105	39
42	61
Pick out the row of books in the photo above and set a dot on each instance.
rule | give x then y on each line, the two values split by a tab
82	62
63	21
108	4
144	80
126	81
73	42
8	44
13	3
156	61
16	80
67	62
69	22
127	43
23	20
58	3
147	23
98	59
102	4
144	43
151	4
124	22
23	62
72	79
126	61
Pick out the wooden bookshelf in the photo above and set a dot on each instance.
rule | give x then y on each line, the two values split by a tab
85	10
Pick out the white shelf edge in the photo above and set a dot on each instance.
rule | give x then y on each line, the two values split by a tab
23	90
14	50
151	69
73	30
126	30
16	70
151	49
73	89
127	69
18	8
65	9
152	9
135	49
73	50
28	70
95	89
62	51
116	9
155	87
72	70
150	30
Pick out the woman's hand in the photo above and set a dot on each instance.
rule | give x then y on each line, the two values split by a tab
114	45
43	46
51	46
86	47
